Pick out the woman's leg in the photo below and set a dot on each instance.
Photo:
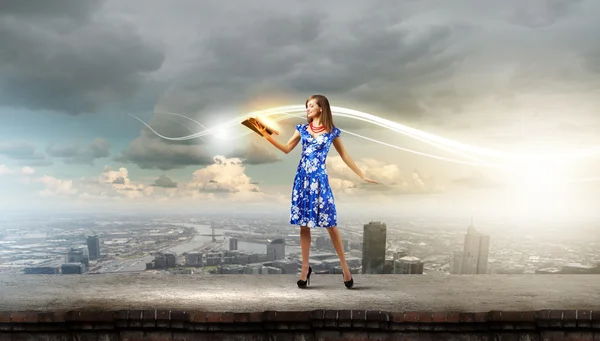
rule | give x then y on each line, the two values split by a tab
336	240
305	246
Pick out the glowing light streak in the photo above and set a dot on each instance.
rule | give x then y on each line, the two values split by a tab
405	130
510	160
286	116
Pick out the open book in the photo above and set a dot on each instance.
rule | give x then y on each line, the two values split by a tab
250	121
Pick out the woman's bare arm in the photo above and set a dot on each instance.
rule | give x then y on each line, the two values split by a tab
339	146
286	148
289	146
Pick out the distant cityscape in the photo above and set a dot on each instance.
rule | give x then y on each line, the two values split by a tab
221	245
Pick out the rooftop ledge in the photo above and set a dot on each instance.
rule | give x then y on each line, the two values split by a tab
220	307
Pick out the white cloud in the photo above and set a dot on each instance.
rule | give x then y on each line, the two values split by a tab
120	182
27	170
223	181
226	179
343	179
56	187
5	170
225	175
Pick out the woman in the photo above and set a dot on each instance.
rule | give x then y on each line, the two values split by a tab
312	200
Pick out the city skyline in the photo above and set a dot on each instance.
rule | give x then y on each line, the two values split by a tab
198	245
512	77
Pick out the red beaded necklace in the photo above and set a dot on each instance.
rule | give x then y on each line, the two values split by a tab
316	130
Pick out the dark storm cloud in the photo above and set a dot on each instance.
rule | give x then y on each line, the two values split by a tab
58	9
37	163
59	56
388	56
592	59
151	153
254	154
395	62
466	64
539	14
362	58
25	153
20	151
74	154
165	182
119	181
230	66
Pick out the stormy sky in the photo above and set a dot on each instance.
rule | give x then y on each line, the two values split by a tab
514	76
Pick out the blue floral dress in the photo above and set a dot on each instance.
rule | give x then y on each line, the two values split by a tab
312	198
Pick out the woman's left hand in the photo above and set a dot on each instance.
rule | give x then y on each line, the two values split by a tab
371	181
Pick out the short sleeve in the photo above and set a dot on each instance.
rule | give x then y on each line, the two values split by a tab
299	127
336	132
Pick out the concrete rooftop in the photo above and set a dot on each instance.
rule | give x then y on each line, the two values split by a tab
251	293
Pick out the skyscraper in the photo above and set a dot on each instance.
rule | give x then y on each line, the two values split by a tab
475	253
233	244
456	262
408	265
321	243
193	259
78	255
276	249
93	244
374	245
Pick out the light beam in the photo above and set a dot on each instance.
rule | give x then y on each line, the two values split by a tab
502	160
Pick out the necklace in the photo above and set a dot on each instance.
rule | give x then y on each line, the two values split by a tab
316	130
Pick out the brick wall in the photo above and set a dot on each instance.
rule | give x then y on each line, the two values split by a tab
300	325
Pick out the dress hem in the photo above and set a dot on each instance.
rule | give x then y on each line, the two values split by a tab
313	227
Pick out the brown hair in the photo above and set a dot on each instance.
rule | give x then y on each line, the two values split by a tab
326	116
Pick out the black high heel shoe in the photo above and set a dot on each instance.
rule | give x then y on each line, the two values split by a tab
349	284
303	284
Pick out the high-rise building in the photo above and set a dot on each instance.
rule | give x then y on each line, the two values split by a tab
321	243
475	253
72	268
388	265
193	259
78	255
400	254
276	249
75	255
456	262
408	265
170	259
233	244
374	245
93	244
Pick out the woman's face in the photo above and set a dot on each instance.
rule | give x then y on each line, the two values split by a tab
312	109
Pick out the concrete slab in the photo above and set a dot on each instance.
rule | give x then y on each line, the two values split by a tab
248	293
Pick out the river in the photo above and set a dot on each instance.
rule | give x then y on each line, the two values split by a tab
203	237
248	247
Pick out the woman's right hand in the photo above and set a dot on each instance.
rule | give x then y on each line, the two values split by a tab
260	128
